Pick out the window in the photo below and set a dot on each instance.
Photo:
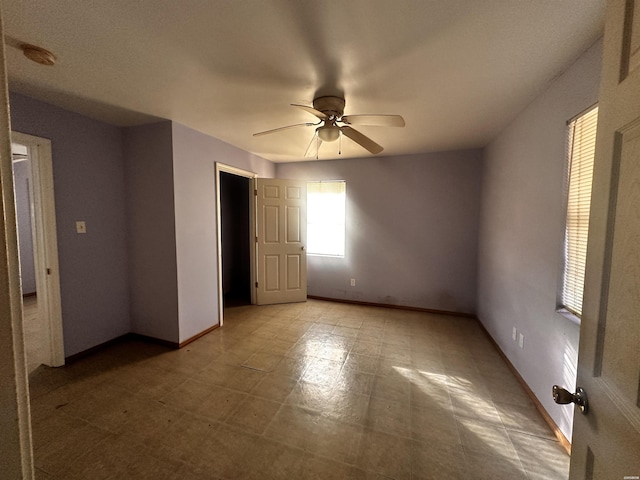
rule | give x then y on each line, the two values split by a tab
582	143
326	218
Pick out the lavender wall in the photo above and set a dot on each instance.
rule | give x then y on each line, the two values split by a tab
152	234
22	184
412	225
521	235
171	198
193	147
194	158
89	185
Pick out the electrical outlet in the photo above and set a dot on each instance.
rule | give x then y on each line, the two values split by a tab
353	282
514	334
521	341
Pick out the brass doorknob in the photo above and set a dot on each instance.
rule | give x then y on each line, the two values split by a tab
563	397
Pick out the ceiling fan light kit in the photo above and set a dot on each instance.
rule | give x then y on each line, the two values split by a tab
330	111
328	133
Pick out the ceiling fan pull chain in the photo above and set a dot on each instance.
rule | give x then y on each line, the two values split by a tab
340	144
317	146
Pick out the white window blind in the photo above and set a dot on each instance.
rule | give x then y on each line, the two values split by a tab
582	143
326	218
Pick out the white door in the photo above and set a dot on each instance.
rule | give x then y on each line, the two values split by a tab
606	440
281	237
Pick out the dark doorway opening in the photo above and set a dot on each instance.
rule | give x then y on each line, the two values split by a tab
236	254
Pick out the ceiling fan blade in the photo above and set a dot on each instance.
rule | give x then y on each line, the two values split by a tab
361	140
266	132
374	120
312	111
314	141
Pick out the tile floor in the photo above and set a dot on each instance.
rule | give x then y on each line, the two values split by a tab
318	390
33	332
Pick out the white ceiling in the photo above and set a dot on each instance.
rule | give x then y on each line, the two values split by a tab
457	71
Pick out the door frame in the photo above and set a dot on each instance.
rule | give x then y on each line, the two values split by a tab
221	167
46	243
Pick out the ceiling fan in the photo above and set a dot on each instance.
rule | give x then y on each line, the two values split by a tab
333	124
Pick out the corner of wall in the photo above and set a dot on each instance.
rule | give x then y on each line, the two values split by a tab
151	227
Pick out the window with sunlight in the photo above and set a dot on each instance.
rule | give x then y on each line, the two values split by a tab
582	144
326	218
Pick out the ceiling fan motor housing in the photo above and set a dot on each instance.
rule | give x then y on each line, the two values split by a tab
330	106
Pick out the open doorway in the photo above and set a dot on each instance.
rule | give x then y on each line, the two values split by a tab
236	226
235	223
35	341
38	250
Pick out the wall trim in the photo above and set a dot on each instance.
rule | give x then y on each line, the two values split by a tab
96	348
146	338
137	336
398	307
197	336
566	444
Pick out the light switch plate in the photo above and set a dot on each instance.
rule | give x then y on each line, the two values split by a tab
81	227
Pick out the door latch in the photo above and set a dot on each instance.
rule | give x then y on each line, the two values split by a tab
563	397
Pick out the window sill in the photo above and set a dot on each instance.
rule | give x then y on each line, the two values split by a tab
325	255
572	317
